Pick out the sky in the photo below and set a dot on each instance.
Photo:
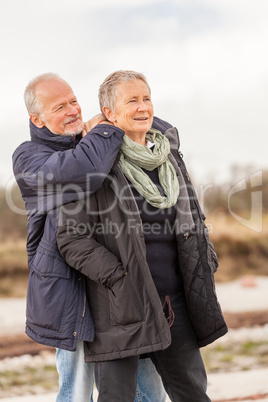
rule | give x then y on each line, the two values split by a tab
206	62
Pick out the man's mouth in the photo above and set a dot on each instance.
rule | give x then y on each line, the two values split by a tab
72	121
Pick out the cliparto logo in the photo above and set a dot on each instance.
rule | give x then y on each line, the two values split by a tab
254	184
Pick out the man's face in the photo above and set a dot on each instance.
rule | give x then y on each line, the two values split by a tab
61	112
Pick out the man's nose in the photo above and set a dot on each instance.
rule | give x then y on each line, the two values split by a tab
72	110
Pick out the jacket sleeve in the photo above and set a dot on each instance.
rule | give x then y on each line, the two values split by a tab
85	166
80	249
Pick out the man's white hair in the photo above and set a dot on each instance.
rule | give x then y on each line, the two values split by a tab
32	103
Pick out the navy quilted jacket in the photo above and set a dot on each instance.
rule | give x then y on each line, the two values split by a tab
52	170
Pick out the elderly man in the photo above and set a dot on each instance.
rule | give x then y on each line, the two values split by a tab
60	164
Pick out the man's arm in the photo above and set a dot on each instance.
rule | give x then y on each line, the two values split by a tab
94	155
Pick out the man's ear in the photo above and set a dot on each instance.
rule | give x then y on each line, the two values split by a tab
108	114
37	121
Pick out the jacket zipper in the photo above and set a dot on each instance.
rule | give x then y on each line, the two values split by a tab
85	298
190	192
187	179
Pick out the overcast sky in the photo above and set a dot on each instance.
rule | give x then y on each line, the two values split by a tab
206	62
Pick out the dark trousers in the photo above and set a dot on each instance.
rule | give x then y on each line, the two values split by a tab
180	366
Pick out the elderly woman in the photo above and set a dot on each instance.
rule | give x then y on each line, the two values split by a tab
142	242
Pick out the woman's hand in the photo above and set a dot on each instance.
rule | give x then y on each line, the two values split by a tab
93	122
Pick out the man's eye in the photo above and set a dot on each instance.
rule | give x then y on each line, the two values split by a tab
74	101
60	108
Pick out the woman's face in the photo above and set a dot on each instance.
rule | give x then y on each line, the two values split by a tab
133	108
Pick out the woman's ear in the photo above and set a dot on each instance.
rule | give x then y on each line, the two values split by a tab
37	121
108	114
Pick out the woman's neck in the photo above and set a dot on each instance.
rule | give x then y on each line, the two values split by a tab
139	138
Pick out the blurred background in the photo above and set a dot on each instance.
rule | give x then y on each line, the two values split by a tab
206	62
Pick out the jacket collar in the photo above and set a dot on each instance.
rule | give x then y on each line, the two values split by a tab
173	137
58	142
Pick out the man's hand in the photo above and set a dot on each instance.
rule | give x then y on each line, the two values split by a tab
94	121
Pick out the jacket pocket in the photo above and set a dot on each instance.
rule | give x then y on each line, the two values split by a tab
188	254
47	291
212	257
49	263
125	303
211	253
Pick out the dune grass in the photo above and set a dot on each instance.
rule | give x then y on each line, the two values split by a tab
240	250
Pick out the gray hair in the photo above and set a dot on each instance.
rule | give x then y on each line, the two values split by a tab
108	89
32	103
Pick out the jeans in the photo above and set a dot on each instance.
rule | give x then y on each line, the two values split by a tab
150	387
76	378
180	366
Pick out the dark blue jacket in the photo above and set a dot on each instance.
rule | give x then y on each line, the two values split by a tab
52	170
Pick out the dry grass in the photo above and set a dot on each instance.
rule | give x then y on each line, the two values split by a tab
220	224
13	269
240	250
13	257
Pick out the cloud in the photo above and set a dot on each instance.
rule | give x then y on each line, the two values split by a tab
205	61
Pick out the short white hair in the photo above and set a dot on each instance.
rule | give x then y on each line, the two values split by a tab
32	103
108	89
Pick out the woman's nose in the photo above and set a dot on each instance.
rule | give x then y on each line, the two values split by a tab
142	106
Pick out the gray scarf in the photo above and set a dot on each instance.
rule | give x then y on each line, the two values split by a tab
135	157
